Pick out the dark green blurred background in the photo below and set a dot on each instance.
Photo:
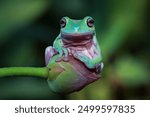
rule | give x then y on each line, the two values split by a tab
27	27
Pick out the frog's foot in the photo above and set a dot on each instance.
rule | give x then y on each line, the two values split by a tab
63	55
49	53
59	58
66	59
65	51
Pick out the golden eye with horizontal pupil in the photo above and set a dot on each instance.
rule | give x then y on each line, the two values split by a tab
63	22
90	22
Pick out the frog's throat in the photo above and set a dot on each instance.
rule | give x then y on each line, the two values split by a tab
76	39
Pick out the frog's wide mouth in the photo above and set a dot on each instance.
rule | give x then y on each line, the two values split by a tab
76	39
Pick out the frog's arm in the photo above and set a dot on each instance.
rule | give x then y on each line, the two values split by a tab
85	59
98	58
63	52
95	62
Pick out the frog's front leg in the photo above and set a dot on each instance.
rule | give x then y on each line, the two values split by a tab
62	51
85	59
63	55
94	63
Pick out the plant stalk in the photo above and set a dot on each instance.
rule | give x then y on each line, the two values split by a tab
42	72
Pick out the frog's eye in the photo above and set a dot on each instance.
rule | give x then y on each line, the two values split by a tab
90	22
63	22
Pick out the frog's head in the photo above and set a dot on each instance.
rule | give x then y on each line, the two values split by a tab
77	31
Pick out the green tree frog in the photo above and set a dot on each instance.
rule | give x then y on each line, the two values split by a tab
77	38
76	44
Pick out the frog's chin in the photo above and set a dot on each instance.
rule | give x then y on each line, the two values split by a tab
77	39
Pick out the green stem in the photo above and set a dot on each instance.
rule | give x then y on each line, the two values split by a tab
25	71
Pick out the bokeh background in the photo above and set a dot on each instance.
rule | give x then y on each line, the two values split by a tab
27	27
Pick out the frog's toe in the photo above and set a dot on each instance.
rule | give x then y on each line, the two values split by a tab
66	59
58	59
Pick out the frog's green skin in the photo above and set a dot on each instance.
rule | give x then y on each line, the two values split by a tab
78	39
